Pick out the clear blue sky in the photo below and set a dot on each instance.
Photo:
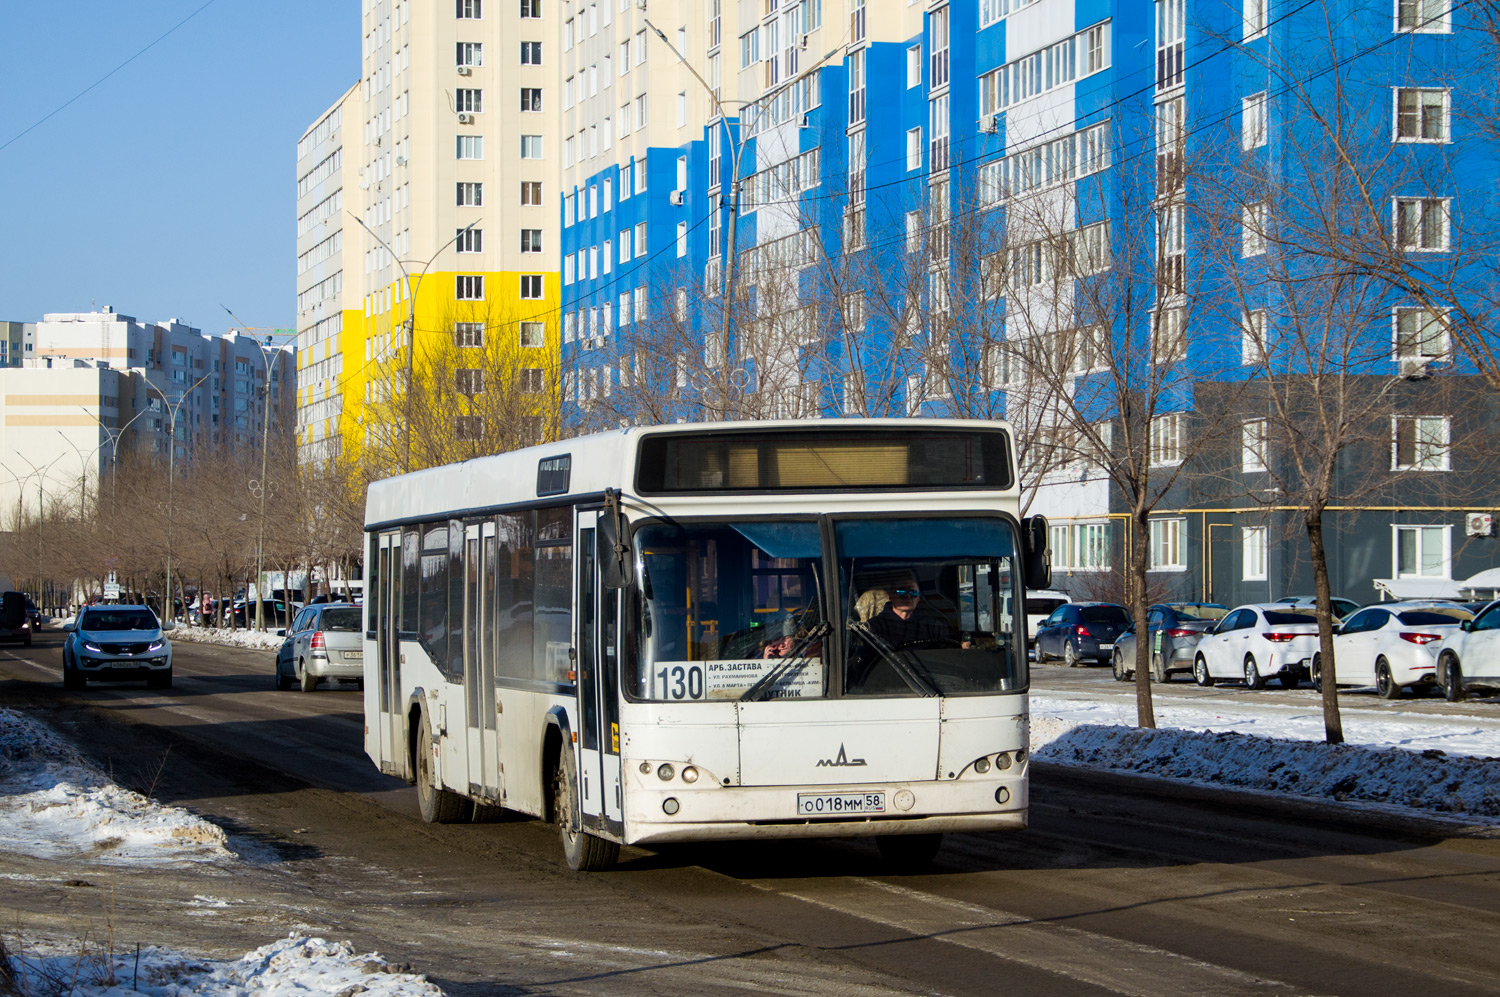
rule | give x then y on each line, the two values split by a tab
171	187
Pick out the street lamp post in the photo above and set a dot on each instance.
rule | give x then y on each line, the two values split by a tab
115	435
410	322
172	412
41	477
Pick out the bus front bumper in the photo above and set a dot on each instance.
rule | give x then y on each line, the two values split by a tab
710	813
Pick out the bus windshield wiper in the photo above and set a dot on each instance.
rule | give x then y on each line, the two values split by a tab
789	663
903	665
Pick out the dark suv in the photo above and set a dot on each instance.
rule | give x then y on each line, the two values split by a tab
1081	631
16	619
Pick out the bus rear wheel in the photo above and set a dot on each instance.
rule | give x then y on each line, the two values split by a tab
909	852
438	805
584	852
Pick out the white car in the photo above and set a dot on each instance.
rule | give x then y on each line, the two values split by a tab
1392	647
1472	655
1254	643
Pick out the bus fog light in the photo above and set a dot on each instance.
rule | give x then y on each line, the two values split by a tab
665	772
689	774
904	799
670	806
645	768
1003	760
1020	756
1002	795
982	766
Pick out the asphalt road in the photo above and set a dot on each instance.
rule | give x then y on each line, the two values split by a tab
1120	886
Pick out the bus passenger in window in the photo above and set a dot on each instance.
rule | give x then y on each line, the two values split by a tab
906	620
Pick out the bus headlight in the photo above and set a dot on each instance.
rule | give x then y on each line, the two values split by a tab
982	766
689	774
665	772
1003	760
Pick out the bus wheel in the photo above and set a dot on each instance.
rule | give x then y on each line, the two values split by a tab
909	852
438	805
584	852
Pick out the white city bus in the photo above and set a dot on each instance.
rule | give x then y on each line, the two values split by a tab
713	631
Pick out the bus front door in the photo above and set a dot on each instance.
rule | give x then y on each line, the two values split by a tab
598	689
482	750
385	610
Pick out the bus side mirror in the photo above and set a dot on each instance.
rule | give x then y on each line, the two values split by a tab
1036	560
614	556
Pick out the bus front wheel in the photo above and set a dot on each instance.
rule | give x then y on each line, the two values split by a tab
438	805
909	852
584	852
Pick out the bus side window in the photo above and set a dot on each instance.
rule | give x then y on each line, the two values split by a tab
411	580
514	599
554	595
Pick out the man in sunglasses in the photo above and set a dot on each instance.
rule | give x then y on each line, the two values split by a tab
906	620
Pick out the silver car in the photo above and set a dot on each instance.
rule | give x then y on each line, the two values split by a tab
1175	629
326	641
114	643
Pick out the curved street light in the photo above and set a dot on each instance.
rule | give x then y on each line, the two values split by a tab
172	411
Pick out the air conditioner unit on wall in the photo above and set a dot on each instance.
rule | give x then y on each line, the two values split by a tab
1479	524
465	118
1414	369
464	70
992	124
675	197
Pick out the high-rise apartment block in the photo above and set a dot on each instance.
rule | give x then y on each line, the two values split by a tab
447	208
1065	212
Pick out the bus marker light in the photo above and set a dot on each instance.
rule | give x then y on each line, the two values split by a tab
575	737
645	768
670	806
665	772
689	774
982	766
1003	760
1002	795
904	799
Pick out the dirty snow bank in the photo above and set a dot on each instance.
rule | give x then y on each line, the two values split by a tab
234	638
55	805
294	965
1430	781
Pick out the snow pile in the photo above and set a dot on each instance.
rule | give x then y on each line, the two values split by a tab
54	805
1430	780
234	638
295	964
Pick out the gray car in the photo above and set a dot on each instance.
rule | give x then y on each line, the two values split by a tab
326	642
1174	630
117	643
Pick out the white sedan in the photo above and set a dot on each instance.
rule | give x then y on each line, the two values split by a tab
1254	643
1472	655
1392	647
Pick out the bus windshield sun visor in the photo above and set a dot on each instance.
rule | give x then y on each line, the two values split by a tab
927	538
799	540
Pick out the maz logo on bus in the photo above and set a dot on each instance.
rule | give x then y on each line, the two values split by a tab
842	761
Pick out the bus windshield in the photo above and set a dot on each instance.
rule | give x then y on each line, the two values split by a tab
731	608
929	606
741	610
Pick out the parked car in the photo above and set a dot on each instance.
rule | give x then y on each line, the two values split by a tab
1174	630
1470	657
1341	608
276	613
326	641
1039	606
1254	643
1081	631
15	619
1391	647
117	643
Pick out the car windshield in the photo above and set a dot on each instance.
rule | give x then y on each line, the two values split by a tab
341	619
1196	612
929	606
1280	617
118	619
1435	617
1104	614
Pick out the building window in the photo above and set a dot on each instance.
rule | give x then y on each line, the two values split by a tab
1170	36
468	334
1255	19
468	10
914	149
470	195
857	85
531	8
469	428
1169	344
1421	334
937	119
1422	224
1253	553
470	54
531	240
1167	552
531	147
1419	443
469	99
469	288
533	335
1421	551
470	240
1166	440
531	98
1427	16
531	192
1253	445
531	53
531	286
1253	229
937	33
1253	121
682	239
640	239
533	380
749	48
1253	337
471	147
913	66
468	381
1421	115
1171	138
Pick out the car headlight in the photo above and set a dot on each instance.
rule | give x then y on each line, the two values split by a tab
155	646
90	647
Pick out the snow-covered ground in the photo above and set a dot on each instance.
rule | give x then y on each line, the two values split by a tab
234	638
55	805
294	965
1411	760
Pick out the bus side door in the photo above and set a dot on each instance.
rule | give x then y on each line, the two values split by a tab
598	688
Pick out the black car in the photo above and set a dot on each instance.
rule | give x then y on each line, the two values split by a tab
16	618
1081	631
